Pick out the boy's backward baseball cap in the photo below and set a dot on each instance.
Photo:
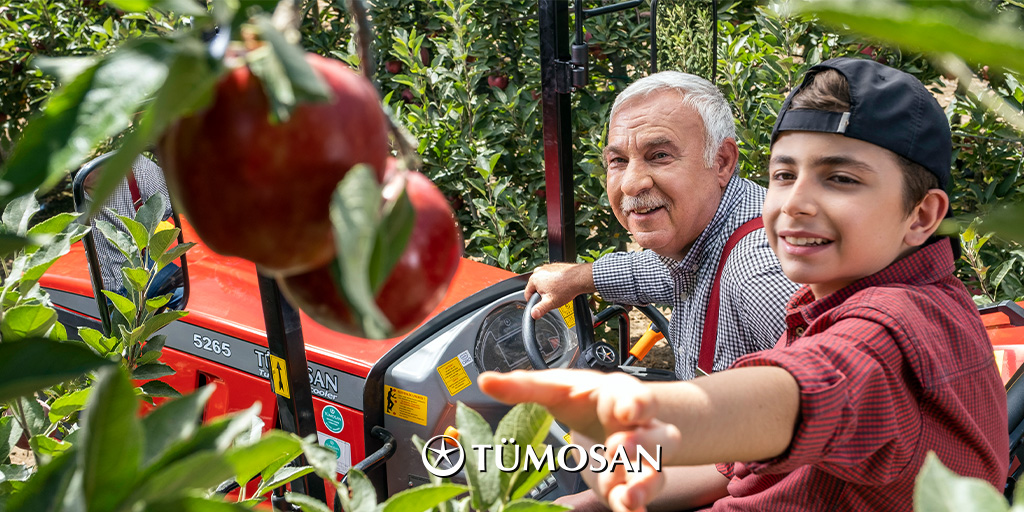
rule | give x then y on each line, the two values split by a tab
888	108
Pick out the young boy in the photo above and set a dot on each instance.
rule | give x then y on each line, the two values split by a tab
884	358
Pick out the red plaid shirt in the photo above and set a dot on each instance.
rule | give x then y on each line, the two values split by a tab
891	367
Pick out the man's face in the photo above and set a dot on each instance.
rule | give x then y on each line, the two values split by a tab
658	184
834	210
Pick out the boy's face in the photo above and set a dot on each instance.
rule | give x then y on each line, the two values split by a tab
834	210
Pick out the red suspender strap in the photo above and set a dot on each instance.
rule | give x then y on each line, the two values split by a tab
709	338
133	188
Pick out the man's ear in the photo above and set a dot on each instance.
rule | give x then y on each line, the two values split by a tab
926	217
725	161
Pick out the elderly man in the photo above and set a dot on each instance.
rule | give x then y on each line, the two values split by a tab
671	158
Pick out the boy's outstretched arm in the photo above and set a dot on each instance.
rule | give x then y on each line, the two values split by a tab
737	415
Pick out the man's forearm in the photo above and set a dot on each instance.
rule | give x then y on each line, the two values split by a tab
737	415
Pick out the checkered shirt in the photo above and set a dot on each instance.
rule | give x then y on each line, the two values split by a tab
150	178
891	367
754	290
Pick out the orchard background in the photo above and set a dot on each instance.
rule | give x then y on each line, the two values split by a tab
464	78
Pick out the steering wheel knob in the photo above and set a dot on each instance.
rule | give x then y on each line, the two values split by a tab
601	356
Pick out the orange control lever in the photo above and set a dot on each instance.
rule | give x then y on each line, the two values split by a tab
643	346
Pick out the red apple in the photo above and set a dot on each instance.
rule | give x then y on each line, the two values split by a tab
498	80
393	66
425	56
261	191
408	96
417	283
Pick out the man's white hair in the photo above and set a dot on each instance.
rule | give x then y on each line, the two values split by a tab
695	92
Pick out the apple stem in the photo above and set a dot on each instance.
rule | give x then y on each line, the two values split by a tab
362	34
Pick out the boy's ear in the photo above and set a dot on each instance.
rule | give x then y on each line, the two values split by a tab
926	217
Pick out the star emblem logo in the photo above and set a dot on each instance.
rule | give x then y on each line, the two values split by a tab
605	354
446	456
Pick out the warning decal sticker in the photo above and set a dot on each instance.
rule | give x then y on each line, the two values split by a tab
279	376
454	376
568	315
406	405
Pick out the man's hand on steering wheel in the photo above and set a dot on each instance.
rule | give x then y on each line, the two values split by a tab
559	283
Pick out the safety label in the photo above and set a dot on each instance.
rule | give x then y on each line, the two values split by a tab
454	376
332	419
342	450
568	315
568	438
406	405
279	376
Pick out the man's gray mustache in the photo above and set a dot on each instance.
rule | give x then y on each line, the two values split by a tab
641	202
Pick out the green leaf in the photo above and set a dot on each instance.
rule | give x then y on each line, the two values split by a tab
53	225
123	304
155	344
119	239
97	104
160	241
12	473
30	321
393	235
68	404
283	476
286	75
306	503
139	233
19	212
485	482
363	496
323	459
151	213
940	490
534	506
196	472
95	339
10	243
30	365
189	76
10	433
424	497
173	422
157	302
159	321
355	214
249	461
152	371
110	445
47	446
195	504
173	254
45	491
135	279
936	26
183	7
528	424
160	388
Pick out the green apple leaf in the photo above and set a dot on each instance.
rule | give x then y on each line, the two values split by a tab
528	424
286	76
151	213
18	213
197	472
98	104
397	222
150	371
363	496
159	321
306	503
175	421
160	388
139	233
195	504
48	446
97	341
123	304
283	476
118	238
249	461
485	482
110	445
10	243
135	279
173	254
424	497
161	240
69	404
534	506
355	214
31	321
940	490
46	489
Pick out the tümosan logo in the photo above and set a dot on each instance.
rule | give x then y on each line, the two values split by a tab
443	456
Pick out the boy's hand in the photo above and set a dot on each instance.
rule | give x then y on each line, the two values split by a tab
559	283
611	409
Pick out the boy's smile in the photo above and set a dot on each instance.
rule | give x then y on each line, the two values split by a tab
834	211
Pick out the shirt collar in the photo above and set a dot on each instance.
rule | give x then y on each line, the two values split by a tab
928	264
730	196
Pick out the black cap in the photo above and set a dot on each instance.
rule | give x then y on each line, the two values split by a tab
888	108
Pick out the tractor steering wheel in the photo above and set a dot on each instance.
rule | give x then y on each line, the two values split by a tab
602	352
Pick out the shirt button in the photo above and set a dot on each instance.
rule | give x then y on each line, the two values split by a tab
684	296
799	331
